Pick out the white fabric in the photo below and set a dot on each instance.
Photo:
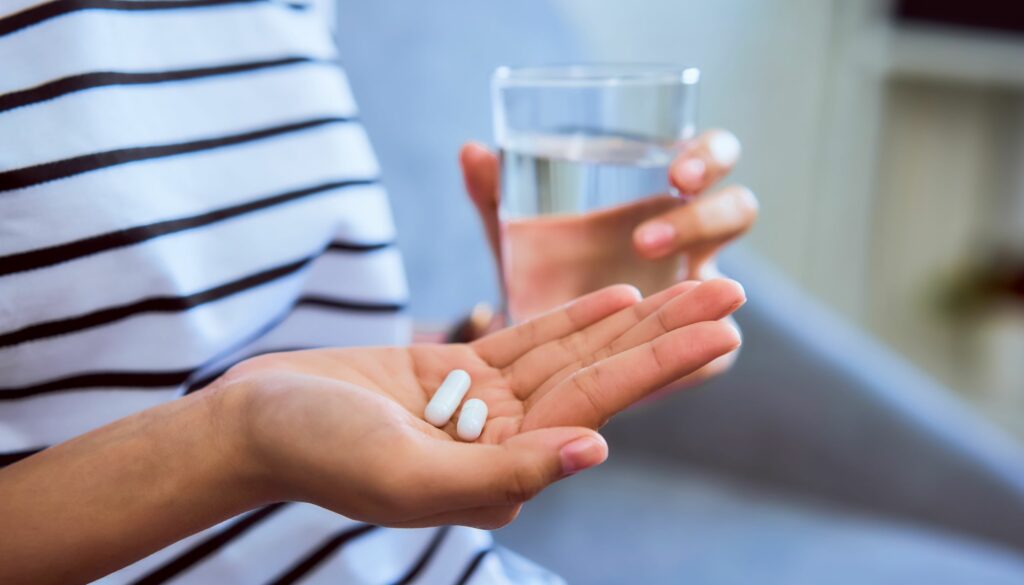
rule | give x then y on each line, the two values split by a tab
78	292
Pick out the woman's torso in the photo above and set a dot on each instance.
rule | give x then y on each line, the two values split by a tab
184	186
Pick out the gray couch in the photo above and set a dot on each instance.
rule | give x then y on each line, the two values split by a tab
821	458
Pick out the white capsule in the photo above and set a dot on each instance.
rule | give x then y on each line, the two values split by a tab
472	419
447	398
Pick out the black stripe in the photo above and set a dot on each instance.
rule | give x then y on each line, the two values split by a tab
42	257
345	305
13	457
200	383
60	87
207	547
138	379
165	379
428	553
321	554
358	246
160	380
42	12
152	305
51	171
472	566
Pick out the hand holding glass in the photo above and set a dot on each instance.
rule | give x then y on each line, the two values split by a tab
584	160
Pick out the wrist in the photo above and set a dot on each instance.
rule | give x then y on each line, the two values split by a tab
229	404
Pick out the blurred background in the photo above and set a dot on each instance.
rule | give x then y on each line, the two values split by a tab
883	369
886	140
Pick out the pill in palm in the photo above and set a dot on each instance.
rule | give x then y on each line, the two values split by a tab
447	398
472	419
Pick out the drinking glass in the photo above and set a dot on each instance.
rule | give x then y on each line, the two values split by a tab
584	154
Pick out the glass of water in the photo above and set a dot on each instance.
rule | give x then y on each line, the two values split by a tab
585	152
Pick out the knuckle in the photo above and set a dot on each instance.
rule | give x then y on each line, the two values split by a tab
531	332
598	355
587	382
639	312
575	314
664	323
655	353
524	484
574	345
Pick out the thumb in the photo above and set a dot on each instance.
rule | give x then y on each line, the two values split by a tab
516	470
480	173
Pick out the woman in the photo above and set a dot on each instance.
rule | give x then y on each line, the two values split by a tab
185	187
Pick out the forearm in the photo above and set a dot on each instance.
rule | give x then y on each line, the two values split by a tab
96	503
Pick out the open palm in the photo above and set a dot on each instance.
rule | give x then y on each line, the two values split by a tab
573	367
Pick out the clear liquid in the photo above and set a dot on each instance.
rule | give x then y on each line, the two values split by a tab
569	208
575	173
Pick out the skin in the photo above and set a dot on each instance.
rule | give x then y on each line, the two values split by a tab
343	429
707	220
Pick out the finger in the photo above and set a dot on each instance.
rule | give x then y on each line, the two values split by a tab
709	301
480	172
504	347
715	367
452	476
704	161
592	395
529	374
706	221
484	518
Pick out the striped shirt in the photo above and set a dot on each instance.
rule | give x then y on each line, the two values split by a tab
185	184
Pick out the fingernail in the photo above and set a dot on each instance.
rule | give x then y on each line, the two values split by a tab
583	453
724	148
691	173
635	292
743	291
656	235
